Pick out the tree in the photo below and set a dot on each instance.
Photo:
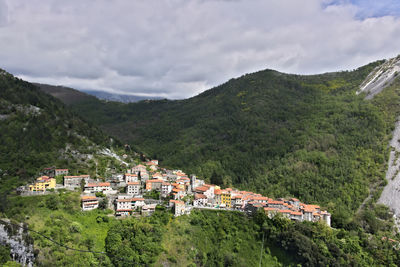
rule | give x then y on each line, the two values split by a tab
4	254
52	202
216	179
103	203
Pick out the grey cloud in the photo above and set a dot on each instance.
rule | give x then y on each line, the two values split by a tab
179	48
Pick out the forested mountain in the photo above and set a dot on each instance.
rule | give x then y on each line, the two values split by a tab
38	131
282	135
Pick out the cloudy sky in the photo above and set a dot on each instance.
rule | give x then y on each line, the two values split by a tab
179	48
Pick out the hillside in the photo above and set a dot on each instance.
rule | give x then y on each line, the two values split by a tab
311	137
65	94
38	131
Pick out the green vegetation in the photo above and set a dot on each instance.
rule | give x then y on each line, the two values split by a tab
59	217
38	131
281	135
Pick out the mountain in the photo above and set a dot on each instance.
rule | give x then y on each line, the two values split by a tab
65	94
38	131
311	136
71	96
119	97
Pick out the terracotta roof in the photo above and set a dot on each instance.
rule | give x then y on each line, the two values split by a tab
76	176
155	181
201	188
124	200
133	183
61	169
270	209
88	198
131	174
177	202
199	196
137	199
217	191
98	184
261	198
275	202
285	211
124	210
294	199
296	213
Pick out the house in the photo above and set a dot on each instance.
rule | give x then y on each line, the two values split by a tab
207	190
98	187
226	198
157	175
144	176
236	201
61	172
279	204
196	182
123	206
89	202
217	197
252	207
326	217
138	169
296	215
154	184
137	202
166	189
75	181
152	165
270	212
199	200
178	193
285	213
130	177
42	184
148	210
179	207
133	188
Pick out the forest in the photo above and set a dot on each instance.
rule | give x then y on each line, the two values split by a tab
282	135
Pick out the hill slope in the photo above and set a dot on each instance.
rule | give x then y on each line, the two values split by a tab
37	131
283	135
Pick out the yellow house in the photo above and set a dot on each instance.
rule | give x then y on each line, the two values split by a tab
226	198
43	183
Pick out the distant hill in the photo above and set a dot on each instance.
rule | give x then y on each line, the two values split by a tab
72	96
119	97
282	135
65	94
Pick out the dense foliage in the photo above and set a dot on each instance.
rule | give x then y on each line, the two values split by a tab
35	131
59	217
282	135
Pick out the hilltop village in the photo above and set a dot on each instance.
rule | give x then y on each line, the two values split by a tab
144	186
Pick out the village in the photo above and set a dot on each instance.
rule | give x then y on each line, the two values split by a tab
144	186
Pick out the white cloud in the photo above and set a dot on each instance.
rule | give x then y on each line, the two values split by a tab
179	48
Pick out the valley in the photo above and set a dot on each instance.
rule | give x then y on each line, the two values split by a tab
257	144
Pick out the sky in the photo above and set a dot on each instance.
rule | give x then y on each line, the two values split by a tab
178	48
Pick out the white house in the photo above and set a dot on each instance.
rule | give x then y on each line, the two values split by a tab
98	187
89	202
130	177
199	200
133	188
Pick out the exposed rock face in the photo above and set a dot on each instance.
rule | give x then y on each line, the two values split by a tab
391	193
381	77
19	242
